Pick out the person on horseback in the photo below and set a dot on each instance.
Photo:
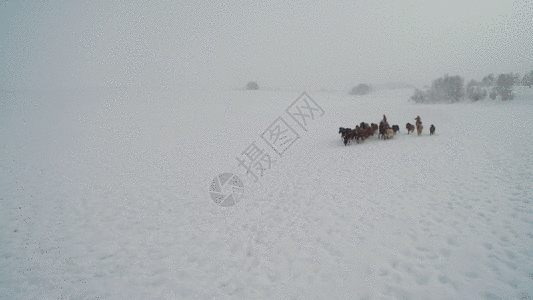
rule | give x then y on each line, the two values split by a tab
418	122
385	121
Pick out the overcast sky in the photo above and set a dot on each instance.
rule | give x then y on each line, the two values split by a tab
279	44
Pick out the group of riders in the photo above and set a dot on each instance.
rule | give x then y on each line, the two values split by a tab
386	124
364	130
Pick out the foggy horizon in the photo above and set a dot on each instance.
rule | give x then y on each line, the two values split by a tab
297	45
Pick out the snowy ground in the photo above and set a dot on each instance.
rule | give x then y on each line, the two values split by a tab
104	195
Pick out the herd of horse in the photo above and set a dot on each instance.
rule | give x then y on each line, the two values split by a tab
364	131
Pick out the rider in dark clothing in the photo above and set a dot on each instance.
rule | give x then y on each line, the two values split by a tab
385	121
418	122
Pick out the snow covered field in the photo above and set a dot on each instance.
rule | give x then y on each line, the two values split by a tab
104	195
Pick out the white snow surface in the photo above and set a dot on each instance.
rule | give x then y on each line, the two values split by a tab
104	195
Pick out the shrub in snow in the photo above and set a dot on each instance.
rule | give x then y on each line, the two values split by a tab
252	85
361	89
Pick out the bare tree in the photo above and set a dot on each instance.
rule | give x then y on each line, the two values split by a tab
447	88
419	96
505	85
475	91
488	80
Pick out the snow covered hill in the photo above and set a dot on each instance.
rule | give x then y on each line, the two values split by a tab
104	194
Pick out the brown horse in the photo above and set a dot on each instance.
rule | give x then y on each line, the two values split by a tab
375	127
410	127
419	128
366	133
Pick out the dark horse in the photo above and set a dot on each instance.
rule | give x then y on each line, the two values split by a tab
382	129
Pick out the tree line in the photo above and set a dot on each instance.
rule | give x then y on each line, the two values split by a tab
452	88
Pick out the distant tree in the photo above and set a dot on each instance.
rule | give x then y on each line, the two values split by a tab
505	85
456	88
419	96
475	91
252	85
488	80
447	88
517	78
527	80
361	89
